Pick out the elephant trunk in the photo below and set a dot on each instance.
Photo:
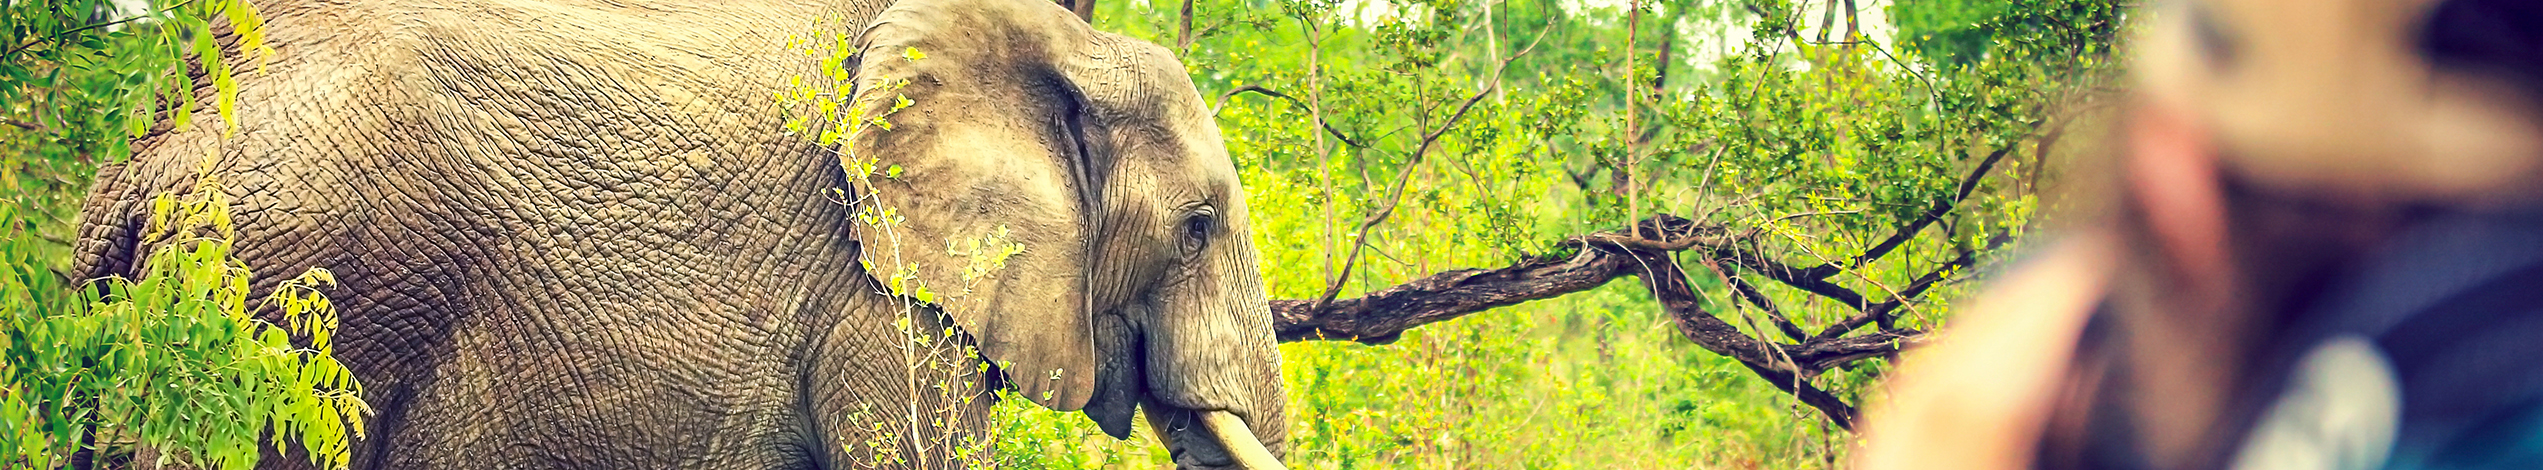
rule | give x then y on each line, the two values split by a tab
1216	397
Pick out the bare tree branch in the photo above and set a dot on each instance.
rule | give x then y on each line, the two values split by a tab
1828	404
1832	353
1381	317
1633	129
1378	317
1748	292
1851	26
1810	280
1668	283
1183	32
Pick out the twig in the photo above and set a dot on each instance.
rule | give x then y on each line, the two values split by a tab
1750	293
1395	194
1968	184
1813	214
1258	89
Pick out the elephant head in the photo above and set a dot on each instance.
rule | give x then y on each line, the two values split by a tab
1063	195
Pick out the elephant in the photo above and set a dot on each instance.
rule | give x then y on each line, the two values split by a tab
574	234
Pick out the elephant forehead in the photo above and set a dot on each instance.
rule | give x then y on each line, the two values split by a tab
1124	78
1150	118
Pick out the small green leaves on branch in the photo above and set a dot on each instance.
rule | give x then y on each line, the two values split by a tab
81	79
176	362
986	253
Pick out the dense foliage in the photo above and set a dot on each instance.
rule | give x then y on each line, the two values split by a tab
174	365
1387	140
80	79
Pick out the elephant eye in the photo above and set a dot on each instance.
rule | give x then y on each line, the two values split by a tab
1196	229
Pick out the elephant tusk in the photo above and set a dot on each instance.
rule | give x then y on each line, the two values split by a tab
1240	441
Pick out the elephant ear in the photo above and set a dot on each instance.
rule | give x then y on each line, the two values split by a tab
974	194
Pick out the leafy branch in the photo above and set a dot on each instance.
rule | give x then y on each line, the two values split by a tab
13	51
1395	192
1649	252
1293	101
174	361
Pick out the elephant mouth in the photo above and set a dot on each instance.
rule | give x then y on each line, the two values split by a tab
1212	439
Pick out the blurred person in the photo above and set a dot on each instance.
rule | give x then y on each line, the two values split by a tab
2322	248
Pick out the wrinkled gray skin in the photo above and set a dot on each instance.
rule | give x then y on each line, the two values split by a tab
571	235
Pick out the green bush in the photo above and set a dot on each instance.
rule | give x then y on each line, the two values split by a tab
175	361
175	365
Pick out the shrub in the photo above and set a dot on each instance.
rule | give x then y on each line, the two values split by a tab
176	361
